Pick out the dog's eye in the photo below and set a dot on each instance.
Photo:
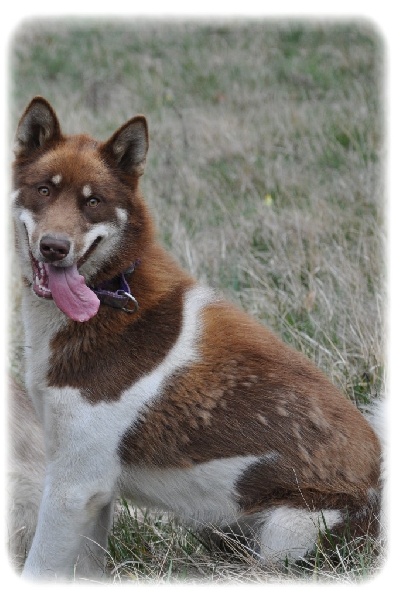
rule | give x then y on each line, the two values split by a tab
43	190
92	202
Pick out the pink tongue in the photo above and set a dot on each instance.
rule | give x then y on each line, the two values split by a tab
71	294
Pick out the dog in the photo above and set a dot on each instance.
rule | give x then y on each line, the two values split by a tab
151	386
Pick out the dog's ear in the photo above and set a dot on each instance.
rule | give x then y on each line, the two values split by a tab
38	126
128	147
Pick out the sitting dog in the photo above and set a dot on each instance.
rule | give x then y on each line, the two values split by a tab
151	386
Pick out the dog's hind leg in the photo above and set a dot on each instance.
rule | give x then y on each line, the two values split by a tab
289	533
275	535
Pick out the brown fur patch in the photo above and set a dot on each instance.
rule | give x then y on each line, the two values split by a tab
252	395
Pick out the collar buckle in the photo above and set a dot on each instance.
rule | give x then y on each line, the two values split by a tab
122	297
131	299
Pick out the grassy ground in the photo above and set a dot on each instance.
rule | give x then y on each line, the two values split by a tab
265	179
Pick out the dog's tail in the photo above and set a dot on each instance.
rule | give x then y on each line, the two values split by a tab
376	415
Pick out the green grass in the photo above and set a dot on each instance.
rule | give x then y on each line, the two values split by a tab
265	179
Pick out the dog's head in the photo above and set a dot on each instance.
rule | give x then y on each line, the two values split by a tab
79	216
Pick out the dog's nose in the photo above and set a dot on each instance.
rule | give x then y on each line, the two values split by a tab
53	249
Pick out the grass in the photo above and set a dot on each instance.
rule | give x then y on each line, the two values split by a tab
265	179
151	547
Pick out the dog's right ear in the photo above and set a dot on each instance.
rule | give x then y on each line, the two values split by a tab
38	126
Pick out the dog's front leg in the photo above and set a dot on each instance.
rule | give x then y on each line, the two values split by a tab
73	519
92	551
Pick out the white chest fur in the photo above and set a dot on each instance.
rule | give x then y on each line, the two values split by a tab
42	320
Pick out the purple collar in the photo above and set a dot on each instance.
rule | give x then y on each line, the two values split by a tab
122	296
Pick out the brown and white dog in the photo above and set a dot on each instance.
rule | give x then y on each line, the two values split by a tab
151	386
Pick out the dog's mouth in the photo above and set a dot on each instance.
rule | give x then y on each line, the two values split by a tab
40	279
66	286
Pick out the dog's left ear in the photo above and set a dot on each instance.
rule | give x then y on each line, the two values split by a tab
128	147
